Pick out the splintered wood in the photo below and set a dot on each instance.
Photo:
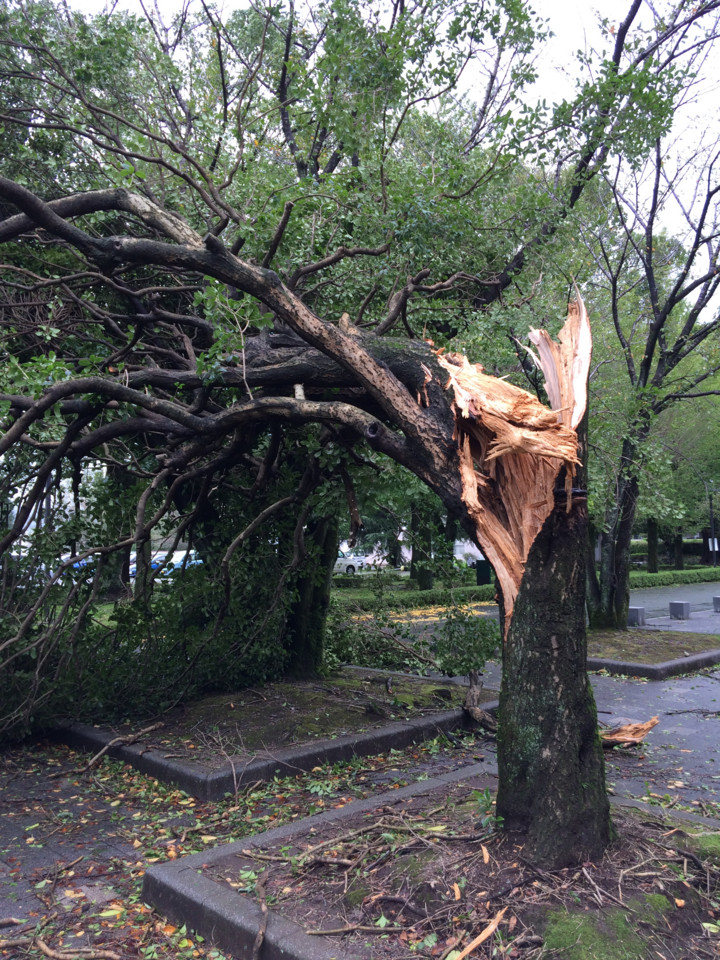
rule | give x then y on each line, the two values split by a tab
512	447
627	733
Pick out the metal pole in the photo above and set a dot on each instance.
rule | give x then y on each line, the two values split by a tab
712	530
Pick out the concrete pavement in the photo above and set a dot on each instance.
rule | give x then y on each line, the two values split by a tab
656	599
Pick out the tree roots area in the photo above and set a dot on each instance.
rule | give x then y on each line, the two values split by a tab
429	875
432	876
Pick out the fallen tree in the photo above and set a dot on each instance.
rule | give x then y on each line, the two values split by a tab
222	392
500	461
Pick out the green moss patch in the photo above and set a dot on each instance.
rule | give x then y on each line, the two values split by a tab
593	935
706	846
648	646
265	719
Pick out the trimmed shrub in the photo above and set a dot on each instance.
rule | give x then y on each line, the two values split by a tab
438	597
669	578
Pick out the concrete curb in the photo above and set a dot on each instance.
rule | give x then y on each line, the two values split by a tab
229	920
656	671
213	784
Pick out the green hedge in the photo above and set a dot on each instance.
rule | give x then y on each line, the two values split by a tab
670	578
440	596
691	548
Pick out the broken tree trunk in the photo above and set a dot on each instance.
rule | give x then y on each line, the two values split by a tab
512	447
519	462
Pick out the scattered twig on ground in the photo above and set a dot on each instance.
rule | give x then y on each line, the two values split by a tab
353	928
487	932
604	893
453	946
57	873
404	901
17	942
77	954
11	922
115	742
262	897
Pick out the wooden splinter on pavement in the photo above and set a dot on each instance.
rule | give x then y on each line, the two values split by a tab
627	734
512	447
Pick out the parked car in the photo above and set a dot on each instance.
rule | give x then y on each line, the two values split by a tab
170	564
348	562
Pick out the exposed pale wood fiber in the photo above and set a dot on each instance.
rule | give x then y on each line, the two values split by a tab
512	447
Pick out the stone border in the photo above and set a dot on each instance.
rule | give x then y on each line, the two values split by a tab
230	921
213	784
656	671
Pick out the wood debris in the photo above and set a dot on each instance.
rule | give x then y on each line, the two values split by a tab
628	733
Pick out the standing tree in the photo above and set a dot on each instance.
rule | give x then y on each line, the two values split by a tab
662	296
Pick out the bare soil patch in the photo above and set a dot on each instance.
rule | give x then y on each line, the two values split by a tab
648	646
428	875
259	721
262	720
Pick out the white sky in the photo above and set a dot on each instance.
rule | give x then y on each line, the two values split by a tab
575	26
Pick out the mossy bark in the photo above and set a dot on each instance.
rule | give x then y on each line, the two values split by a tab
305	625
550	759
652	541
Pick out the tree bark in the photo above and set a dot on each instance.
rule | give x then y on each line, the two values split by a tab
550	759
652	542
421	561
678	555
305	624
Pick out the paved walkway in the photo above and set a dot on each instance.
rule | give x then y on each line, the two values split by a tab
656	601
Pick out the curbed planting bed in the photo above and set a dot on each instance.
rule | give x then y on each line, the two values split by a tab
656	671
208	784
212	783
443	882
188	892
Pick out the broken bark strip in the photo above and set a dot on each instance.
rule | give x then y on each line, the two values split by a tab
511	447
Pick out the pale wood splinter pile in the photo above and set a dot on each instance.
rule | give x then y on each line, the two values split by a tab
512	447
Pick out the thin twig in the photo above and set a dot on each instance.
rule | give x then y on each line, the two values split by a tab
601	892
262	897
85	954
359	927
117	741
